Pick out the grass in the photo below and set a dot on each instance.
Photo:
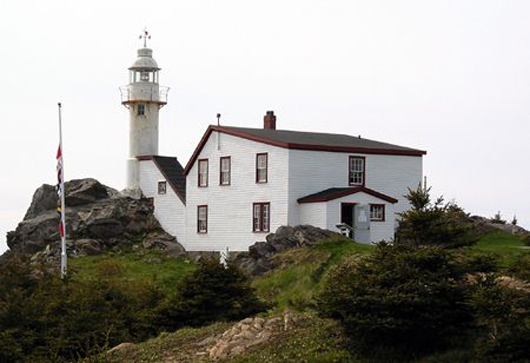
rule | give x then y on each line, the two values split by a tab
180	346
294	283
506	246
133	266
314	340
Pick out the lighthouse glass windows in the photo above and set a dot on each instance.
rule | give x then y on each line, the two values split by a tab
141	109
356	170
143	76
203	173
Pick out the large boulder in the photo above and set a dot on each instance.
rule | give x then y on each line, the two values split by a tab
98	218
78	192
257	260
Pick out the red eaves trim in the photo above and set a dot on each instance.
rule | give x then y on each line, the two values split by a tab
344	193
268	141
150	157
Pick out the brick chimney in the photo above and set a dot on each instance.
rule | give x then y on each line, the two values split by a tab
269	121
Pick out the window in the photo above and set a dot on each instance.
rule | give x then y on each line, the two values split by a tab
144	76
224	175
141	110
162	185
377	212
356	170
261	168
203	173
202	219
261	217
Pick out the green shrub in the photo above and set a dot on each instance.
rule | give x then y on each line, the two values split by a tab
46	318
401	299
521	267
504	315
212	292
497	218
428	223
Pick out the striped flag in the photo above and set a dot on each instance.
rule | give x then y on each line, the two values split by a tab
59	189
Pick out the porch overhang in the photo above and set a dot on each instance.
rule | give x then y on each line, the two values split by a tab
334	193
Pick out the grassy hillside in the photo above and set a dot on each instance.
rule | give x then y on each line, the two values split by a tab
291	286
300	272
133	266
506	246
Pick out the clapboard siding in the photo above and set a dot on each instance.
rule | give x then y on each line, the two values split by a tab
230	207
313	171
314	214
169	209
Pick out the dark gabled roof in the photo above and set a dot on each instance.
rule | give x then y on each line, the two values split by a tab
307	141
172	171
334	193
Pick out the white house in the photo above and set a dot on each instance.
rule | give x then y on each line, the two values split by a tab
242	183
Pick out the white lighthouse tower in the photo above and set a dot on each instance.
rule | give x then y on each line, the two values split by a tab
144	97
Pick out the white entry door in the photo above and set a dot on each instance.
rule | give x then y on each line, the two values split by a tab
362	223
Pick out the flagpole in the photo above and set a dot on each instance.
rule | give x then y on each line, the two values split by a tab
63	191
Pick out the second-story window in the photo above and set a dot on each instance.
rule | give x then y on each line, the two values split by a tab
261	168
140	110
203	173
162	187
224	175
356	171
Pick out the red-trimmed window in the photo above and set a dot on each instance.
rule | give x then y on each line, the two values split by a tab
202	179
162	187
356	170
202	219
224	173
261	216
377	212
262	164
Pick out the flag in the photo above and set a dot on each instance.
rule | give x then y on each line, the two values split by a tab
59	189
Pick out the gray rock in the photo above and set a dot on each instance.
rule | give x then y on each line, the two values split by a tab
44	198
98	218
257	260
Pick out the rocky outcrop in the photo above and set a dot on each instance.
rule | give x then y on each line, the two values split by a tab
246	334
486	225
257	260
98	219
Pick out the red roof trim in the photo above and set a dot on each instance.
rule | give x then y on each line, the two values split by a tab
153	159
268	141
343	193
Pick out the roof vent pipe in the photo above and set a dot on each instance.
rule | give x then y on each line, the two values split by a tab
269	121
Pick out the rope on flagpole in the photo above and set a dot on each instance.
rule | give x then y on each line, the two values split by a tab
62	190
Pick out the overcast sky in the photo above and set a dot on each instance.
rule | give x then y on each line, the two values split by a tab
449	77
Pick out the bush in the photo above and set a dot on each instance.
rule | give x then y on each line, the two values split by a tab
46	318
497	218
212	292
402	299
504	315
521	267
428	223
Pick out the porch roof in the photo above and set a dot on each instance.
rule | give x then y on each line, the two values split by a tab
334	193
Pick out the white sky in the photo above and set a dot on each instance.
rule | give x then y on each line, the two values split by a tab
450	77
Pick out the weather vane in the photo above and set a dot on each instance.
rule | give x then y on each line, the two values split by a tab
145	36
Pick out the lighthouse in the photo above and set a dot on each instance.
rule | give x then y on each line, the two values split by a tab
143	97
